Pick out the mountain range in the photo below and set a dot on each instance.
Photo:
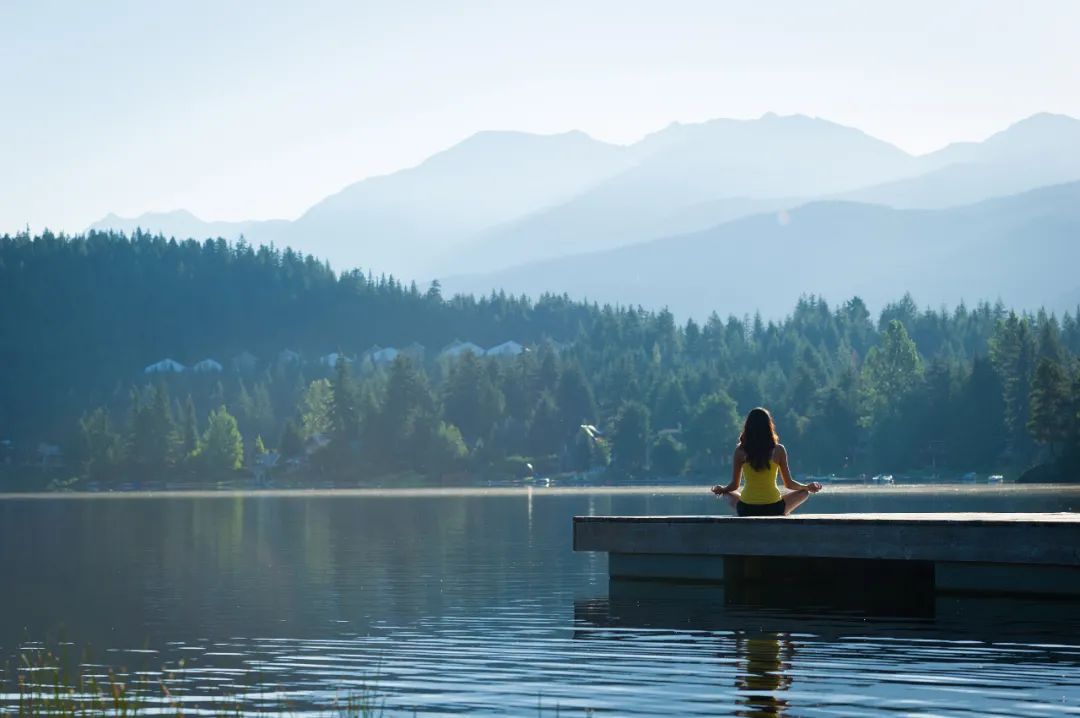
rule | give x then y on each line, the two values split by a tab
1022	249
649	223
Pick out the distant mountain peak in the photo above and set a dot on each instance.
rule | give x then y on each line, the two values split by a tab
169	214
504	136
1037	125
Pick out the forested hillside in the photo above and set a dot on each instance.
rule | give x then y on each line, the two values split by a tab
966	388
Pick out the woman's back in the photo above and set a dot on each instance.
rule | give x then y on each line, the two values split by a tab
759	485
760	496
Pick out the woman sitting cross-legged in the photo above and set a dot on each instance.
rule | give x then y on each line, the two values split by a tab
758	458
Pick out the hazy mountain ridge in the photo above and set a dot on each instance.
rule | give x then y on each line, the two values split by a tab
396	220
181	223
501	199
1036	152
1021	249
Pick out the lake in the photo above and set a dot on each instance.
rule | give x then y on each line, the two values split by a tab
439	602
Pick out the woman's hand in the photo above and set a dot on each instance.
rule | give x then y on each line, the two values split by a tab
719	490
813	487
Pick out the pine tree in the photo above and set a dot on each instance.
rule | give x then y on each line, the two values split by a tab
630	438
545	427
713	431
892	370
223	447
574	400
155	440
1050	345
444	448
101	450
668	456
1050	402
292	441
671	407
1012	351
315	409
190	429
407	400
344	412
471	398
262	410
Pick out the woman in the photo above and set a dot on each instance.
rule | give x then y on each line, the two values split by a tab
758	458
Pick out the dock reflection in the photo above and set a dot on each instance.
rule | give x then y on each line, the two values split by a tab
750	608
758	636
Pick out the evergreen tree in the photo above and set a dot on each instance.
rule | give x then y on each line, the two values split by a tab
668	456
892	370
980	434
545	430
223	447
101	450
471	398
1012	350
671	407
190	429
344	409
155	440
832	439
407	401
1048	421
316	409
291	444
630	438
713	431
262	410
547	373
574	400
444	450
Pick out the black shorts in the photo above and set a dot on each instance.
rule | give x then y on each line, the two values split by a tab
744	509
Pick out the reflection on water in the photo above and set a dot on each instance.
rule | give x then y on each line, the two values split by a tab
765	658
476	603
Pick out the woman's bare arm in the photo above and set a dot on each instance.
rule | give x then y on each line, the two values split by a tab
781	458
737	461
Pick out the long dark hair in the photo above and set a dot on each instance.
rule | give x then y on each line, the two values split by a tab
758	438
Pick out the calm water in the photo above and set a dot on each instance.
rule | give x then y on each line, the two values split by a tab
454	603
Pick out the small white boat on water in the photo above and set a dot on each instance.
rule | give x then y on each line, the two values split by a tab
995	479
882	480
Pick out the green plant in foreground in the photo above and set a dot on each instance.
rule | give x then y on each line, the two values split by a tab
44	687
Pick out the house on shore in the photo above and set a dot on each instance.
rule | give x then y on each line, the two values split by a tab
457	348
506	349
330	360
288	356
208	366
245	362
383	356
165	366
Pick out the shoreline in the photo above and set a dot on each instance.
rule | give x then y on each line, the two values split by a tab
445	491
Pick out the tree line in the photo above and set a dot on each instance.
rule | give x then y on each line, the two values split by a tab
975	388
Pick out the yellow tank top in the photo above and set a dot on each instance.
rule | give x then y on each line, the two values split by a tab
759	487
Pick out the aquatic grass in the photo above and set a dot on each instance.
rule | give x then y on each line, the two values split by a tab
44	687
47	685
51	684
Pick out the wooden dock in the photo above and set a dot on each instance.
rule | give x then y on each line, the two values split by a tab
972	552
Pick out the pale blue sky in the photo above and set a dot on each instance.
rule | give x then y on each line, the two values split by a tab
257	110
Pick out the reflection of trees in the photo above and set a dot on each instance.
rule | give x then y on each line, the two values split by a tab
135	572
764	662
